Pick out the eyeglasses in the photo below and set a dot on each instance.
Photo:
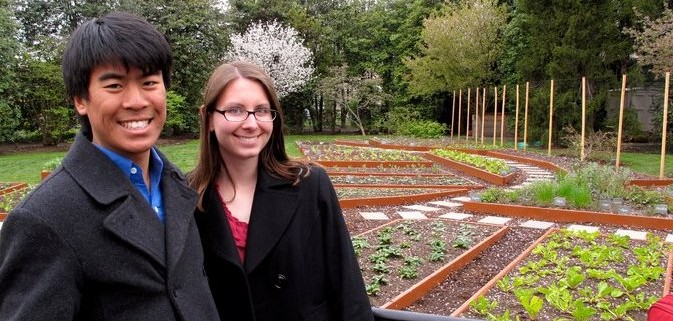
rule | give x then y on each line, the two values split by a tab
238	115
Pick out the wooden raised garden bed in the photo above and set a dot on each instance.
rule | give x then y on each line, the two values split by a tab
492	178
7	188
570	216
374	164
403	260
577	276
419	195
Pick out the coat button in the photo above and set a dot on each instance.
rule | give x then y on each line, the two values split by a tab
281	280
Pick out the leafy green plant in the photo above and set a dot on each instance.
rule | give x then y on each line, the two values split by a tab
51	164
496	166
530	302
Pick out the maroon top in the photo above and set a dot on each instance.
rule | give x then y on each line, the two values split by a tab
238	229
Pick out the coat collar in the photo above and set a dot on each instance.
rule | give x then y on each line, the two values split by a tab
133	220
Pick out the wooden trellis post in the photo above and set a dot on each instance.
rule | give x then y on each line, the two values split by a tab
525	119
495	112
516	120
475	127
584	114
483	113
621	122
551	116
664	129
467	117
502	117
453	113
460	107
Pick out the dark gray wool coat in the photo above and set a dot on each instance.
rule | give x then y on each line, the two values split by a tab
86	245
299	260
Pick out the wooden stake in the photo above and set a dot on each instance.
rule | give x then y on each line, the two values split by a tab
483	113
525	120
475	127
453	113
584	114
621	122
551	116
467	117
495	112
664	129
460	107
516	120
502	117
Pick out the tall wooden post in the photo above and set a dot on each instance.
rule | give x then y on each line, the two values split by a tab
453	113
516	120
664	129
621	122
502	117
483	113
467	116
525	119
475	127
495	112
584	114
551	116
460	107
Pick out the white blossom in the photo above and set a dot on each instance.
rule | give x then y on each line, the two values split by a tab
279	50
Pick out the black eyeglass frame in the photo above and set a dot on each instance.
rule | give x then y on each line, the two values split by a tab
274	114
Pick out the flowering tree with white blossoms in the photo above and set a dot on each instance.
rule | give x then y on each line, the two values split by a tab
279	50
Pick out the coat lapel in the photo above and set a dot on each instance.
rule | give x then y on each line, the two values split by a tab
274	205
215	229
179	205
132	221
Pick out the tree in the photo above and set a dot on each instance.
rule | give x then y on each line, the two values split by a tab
459	47
654	42
9	50
277	49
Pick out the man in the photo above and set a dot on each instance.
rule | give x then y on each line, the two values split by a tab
110	235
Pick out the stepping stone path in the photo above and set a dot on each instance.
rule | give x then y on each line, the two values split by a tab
454	205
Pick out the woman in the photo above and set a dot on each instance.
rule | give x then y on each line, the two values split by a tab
274	237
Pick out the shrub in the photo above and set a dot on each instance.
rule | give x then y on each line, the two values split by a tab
422	129
51	164
593	141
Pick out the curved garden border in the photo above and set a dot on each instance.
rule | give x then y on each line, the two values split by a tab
570	216
492	178
13	187
397	200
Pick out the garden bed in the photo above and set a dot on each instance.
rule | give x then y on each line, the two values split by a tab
404	259
570	215
577	276
6	188
350	197
383	180
492	178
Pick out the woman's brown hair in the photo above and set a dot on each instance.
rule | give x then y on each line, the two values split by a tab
273	157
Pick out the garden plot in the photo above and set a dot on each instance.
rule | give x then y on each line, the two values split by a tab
576	275
404	259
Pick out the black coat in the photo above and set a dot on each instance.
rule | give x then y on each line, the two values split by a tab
86	245
299	261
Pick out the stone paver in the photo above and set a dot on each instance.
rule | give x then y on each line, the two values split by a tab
461	199
576	227
634	235
413	215
537	224
669	238
446	203
456	216
422	208
374	216
498	220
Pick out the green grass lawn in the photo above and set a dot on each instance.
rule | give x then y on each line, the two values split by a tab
25	167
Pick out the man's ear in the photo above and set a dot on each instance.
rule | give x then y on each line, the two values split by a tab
80	105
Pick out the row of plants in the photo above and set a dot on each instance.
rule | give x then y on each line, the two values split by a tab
396	256
360	192
491	165
590	186
579	275
389	169
327	151
442	142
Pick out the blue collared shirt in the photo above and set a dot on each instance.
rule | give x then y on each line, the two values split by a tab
135	173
